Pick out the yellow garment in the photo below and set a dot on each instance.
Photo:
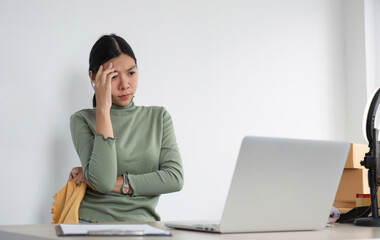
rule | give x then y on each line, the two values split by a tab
67	201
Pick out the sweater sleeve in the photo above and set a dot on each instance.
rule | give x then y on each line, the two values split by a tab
169	177
97	154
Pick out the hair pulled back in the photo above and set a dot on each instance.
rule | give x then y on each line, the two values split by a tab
106	48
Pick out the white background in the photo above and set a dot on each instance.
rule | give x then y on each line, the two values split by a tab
223	69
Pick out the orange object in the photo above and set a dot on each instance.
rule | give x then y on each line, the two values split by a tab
67	201
356	155
363	200
353	181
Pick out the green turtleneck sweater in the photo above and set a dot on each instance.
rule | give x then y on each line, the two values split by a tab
144	146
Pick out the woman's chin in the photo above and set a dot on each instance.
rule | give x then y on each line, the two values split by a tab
122	103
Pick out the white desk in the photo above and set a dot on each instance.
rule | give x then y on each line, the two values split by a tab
339	231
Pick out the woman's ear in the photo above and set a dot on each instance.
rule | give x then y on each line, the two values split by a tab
92	76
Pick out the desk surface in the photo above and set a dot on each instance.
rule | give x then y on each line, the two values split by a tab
339	231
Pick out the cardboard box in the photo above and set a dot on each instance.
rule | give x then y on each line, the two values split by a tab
342	204
353	181
344	210
344	207
356	155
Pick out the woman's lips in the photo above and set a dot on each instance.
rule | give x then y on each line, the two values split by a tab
124	96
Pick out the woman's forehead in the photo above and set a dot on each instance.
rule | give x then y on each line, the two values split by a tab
122	62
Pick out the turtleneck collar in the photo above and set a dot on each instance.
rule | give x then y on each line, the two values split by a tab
130	106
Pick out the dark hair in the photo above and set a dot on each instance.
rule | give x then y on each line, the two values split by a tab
106	48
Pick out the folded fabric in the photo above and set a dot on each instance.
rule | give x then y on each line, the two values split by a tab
334	215
67	201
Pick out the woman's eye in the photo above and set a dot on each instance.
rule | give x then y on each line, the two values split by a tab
114	77
131	73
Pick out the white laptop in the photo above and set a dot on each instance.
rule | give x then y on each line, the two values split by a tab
280	185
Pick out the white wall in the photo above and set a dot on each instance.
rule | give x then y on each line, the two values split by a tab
372	38
372	48
224	69
356	76
362	34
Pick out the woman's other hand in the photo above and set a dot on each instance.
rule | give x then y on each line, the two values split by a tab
77	174
102	86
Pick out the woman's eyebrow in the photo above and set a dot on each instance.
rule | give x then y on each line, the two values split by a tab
129	69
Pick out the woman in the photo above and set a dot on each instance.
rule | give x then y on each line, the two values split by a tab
129	154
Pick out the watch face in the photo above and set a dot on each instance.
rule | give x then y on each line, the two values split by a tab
125	190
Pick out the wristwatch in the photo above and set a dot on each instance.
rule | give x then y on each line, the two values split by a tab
125	187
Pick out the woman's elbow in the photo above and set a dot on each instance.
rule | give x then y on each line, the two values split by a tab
178	183
179	186
104	185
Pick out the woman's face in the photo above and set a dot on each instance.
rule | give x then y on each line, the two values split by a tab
124	85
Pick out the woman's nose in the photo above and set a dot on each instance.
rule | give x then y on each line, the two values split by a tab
124	83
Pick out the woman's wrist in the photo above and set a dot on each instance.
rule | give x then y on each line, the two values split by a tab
119	183
103	110
103	123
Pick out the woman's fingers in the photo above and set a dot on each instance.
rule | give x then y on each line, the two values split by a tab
72	174
102	86
75	172
102	75
79	178
97	76
111	75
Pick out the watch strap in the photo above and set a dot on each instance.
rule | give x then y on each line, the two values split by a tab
125	184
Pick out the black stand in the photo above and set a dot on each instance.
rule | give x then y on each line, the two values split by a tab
373	221
370	162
